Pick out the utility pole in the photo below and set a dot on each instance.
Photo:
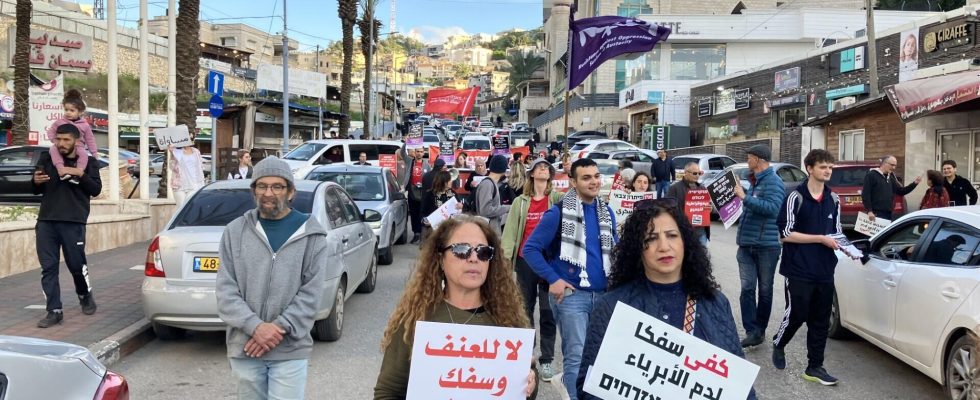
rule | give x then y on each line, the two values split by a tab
171	78
370	77
285	83
112	55
319	101
872	48
144	69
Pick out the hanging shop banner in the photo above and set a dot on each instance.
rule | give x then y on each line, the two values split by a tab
920	97
908	55
786	79
57	51
45	109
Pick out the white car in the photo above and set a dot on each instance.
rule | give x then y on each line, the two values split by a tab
182	260
583	148
475	142
914	295
486	128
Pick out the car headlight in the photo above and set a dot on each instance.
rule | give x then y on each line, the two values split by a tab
374	225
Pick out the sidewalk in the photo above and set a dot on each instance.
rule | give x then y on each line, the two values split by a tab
116	329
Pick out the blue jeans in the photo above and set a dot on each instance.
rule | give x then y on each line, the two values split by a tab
662	187
756	268
265	379
572	316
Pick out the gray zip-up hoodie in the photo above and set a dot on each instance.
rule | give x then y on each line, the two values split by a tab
255	285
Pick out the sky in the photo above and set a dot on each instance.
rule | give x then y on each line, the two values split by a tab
313	22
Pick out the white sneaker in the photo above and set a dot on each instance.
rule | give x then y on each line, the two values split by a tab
547	372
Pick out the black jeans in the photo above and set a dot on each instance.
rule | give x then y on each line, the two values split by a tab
415	213
52	239
534	289
810	303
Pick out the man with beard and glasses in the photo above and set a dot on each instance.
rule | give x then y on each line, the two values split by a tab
61	222
269	287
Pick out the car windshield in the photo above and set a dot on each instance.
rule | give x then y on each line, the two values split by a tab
360	186
848	176
608	169
476	144
218	207
304	152
430	138
579	146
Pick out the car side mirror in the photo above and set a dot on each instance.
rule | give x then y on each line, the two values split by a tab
396	196
864	245
371	216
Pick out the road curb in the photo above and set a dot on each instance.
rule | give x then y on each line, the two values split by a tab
122	343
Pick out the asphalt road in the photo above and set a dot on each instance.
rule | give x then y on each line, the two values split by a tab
196	367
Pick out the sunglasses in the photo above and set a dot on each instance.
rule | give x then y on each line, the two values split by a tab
696	173
668	202
462	251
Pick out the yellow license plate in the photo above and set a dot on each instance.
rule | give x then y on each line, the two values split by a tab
206	264
851	200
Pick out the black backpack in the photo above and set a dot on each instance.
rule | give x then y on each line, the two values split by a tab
470	205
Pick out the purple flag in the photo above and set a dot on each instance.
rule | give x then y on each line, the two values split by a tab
592	41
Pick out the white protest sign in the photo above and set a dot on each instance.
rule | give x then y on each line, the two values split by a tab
177	136
470	362
622	203
642	357
446	211
868	227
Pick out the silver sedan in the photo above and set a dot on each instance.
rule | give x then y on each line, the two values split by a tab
30	366
373	188
182	260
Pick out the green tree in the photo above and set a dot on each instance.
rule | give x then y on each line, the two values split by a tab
22	73
347	11
462	71
499	55
522	67
369	28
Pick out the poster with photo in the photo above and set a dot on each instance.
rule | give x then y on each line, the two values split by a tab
908	55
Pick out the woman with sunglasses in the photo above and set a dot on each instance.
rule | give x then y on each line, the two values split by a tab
659	268
461	278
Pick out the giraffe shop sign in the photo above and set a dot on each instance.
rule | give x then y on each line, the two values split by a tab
948	36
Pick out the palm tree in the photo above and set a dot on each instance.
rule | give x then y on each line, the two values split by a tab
347	10
188	53
369	36
522	67
22	74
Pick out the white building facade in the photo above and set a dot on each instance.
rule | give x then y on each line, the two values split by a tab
655	88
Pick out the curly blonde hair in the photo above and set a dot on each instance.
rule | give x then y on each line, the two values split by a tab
501	297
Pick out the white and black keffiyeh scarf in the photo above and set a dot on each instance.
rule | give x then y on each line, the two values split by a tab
574	236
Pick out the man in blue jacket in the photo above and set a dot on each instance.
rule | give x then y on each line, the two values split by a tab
570	248
758	243
809	214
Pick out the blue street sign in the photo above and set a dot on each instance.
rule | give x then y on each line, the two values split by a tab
655	97
216	83
216	106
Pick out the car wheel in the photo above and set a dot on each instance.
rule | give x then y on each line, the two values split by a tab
330	329
387	257
962	375
371	280
166	332
836	331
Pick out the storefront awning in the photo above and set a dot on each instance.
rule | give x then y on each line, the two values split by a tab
921	97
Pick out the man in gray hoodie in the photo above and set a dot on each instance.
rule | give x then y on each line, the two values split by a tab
269	287
488	194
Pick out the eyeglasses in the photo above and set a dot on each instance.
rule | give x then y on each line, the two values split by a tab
667	202
276	188
699	173
462	251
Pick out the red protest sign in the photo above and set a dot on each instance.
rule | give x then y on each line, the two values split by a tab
560	182
388	161
697	207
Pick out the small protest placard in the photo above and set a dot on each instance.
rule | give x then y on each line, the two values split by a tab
697	207
447	152
501	145
414	139
722	192
622	203
389	161
560	182
642	357
846	246
176	135
868	227
444	212
456	361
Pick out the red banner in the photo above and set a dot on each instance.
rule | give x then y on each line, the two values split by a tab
921	97
451	101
